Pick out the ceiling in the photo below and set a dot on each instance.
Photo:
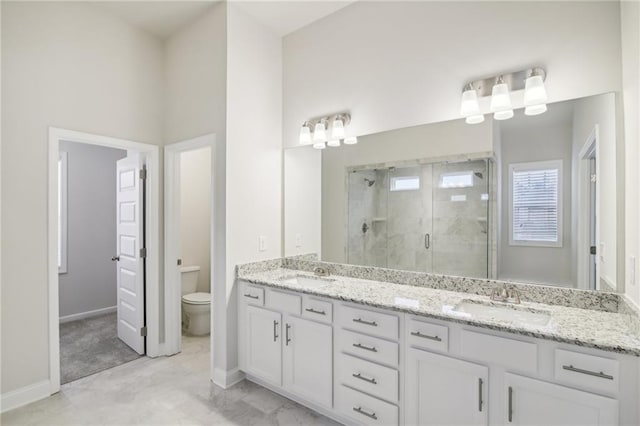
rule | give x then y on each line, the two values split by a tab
164	18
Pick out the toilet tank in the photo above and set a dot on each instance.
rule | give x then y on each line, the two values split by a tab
189	279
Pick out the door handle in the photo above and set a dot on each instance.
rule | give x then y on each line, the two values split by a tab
287	339
115	259
275	330
510	411
480	395
427	241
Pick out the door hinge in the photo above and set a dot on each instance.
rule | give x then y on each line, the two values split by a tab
179	262
143	331
143	173
143	252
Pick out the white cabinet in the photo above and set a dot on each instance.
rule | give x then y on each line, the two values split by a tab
533	402
445	391
307	362
263	345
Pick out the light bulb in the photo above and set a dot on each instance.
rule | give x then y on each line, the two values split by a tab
320	132
305	133
475	119
319	145
535	109
334	143
534	91
351	140
469	104
503	115
337	130
500	98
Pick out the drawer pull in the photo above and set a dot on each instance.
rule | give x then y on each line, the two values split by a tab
426	336
366	379
364	413
510	412
251	296
590	373
361	321
366	348
313	311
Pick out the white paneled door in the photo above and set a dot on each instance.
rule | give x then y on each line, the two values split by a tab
130	252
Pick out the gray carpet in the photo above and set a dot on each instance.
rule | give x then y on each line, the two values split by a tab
91	345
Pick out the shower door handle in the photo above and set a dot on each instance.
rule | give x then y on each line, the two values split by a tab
427	241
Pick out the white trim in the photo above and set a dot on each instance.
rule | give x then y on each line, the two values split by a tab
151	155
537	165
64	215
88	314
25	395
172	291
583	257
225	379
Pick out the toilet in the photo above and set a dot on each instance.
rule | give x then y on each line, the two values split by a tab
196	307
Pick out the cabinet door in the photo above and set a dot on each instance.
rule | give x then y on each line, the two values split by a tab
263	344
445	391
308	360
532	402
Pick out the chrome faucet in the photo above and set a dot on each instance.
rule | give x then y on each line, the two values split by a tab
505	294
321	272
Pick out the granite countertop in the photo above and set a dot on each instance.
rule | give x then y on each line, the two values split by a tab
614	332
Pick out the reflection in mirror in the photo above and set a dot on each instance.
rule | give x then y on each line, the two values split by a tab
531	199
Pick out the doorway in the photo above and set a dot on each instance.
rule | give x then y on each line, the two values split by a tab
189	249
131	258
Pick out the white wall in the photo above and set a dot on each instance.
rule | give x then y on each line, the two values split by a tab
449	138
73	66
631	93
90	281
195	213
254	153
398	64
525	139
601	111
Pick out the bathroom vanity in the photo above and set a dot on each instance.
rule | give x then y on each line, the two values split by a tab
363	351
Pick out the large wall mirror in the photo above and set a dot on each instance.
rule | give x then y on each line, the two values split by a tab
533	199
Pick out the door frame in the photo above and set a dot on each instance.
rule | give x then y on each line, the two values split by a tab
172	288
591	145
151	154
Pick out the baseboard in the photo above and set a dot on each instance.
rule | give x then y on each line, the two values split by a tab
225	379
25	395
88	314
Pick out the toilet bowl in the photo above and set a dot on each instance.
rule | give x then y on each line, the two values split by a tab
196	306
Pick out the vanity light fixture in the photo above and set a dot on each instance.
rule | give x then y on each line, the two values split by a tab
501	100
535	94
326	131
499	89
305	133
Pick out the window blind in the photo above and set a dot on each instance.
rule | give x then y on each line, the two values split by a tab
535	214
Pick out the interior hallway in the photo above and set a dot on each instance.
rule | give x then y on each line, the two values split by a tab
163	391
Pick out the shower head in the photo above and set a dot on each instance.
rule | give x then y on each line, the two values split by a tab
370	182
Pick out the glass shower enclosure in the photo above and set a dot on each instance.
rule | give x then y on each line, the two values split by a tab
431	217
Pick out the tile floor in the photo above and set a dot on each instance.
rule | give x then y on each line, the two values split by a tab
163	391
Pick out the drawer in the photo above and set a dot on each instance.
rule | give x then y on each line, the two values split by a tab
425	335
368	377
365	409
253	295
586	371
374	323
368	347
317	309
283	302
509	353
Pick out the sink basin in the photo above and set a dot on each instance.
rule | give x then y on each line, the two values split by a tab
510	313
309	281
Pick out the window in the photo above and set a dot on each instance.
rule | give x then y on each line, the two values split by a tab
62	212
405	183
456	180
536	203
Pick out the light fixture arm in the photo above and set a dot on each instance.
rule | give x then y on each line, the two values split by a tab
515	80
